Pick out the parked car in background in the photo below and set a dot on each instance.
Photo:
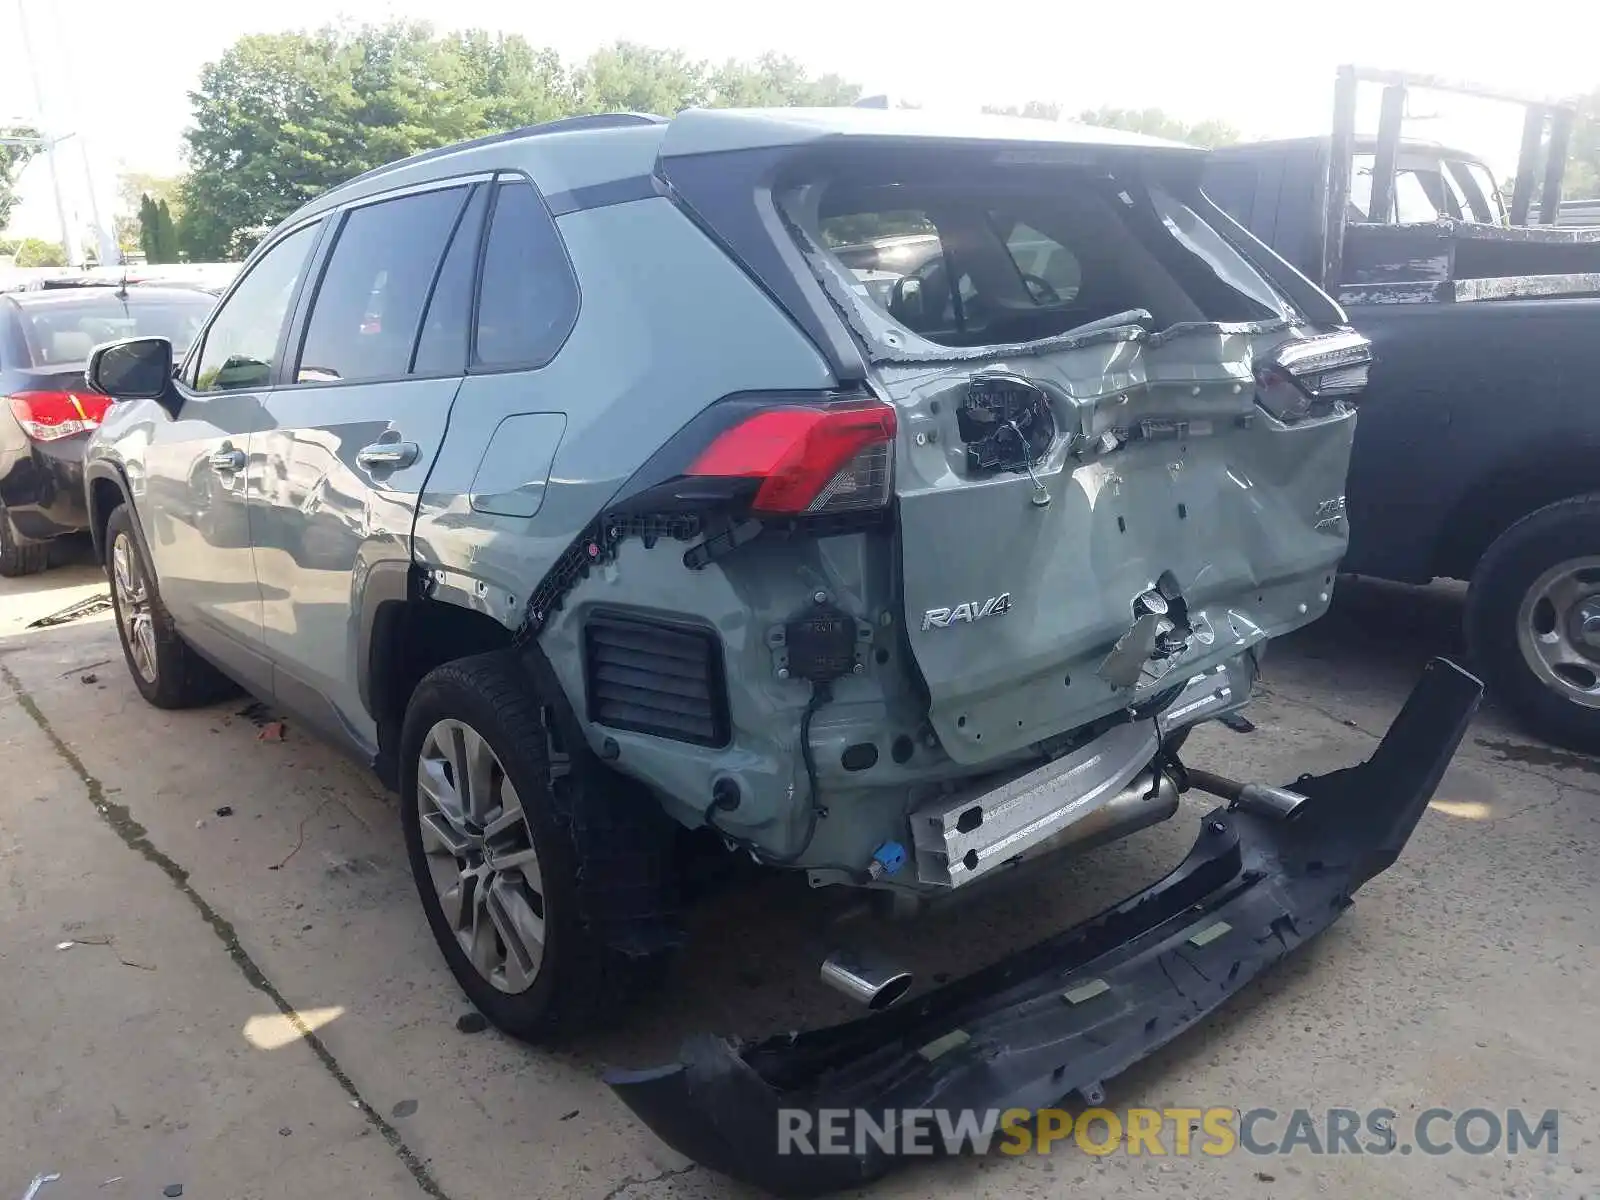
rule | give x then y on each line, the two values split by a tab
210	277
1478	451
599	505
46	336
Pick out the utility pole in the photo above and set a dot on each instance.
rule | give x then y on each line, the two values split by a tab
110	252
69	236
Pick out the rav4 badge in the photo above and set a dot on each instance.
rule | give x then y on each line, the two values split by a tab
973	610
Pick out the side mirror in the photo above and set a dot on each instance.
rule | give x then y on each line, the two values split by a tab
134	369
905	300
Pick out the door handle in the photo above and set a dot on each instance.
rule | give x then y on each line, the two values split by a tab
228	460
387	456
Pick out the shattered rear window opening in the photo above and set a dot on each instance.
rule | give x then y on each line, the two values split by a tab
1016	255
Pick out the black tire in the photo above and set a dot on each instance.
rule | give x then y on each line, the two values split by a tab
20	558
1512	567
178	678
602	845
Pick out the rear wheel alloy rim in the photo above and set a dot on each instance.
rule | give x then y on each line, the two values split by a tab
1558	630
480	854
133	607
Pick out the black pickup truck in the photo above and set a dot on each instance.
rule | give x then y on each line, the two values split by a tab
1477	453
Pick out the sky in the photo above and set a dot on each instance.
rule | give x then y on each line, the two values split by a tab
117	75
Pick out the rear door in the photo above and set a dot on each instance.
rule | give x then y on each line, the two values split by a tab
352	430
191	494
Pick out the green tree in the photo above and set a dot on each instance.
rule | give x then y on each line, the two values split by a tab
628	77
158	232
1043	110
511	82
1582	178
1157	123
280	118
12	159
132	187
1152	121
774	81
36	252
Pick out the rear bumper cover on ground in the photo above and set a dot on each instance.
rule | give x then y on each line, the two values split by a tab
1252	889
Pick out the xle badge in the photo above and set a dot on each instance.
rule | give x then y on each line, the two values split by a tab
974	610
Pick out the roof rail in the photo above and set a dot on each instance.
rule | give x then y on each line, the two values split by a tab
559	125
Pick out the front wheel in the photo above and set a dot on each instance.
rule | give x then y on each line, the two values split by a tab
529	861
1533	621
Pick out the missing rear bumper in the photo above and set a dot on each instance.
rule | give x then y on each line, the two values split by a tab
1081	1007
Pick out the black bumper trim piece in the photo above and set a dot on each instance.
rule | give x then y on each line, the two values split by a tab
1253	888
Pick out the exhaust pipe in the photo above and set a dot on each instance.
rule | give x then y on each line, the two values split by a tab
1148	800
866	980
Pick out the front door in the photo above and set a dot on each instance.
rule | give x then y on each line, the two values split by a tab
351	434
193	505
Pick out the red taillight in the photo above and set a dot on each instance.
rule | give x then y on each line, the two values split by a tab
48	416
836	458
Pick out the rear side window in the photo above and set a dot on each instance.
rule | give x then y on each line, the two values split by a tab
369	304
1012	254
528	299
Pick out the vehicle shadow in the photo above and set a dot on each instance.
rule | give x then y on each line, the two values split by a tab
1383	631
750	965
1371	646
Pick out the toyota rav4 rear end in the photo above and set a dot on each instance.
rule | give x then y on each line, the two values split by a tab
1084	457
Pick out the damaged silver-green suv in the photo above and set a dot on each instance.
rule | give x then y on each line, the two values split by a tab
883	496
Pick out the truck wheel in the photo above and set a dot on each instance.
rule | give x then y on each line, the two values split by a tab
1533	621
535	867
167	672
20	558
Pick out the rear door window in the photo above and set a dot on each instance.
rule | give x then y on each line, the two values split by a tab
528	298
368	306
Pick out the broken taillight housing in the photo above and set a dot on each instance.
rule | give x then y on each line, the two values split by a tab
1310	377
50	416
808	460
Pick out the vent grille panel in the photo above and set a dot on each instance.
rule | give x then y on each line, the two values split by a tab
655	677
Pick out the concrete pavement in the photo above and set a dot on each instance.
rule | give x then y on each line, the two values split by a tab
252	1005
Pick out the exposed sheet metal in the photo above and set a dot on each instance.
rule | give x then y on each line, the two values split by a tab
959	838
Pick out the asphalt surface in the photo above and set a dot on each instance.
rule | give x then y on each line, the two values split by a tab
216	974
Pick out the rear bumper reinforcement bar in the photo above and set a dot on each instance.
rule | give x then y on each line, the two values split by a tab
1068	1013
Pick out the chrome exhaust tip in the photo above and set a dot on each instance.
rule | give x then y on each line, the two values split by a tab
866	980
